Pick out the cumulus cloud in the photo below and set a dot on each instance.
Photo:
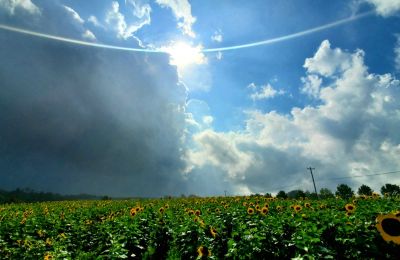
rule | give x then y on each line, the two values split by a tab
88	120
385	7
327	61
263	92
183	13
11	6
312	84
117	20
353	131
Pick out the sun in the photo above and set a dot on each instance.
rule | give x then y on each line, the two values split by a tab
183	54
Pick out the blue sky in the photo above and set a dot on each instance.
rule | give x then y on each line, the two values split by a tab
177	118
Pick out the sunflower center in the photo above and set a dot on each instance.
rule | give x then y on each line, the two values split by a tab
391	226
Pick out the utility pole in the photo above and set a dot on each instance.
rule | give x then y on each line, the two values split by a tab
312	176
225	192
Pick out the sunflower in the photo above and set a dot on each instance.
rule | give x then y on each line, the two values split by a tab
161	210
349	213
350	207
244	204
279	208
250	211
297	208
307	205
389	227
133	212
213	232
264	211
258	208
266	205
197	212
47	256
203	251
375	195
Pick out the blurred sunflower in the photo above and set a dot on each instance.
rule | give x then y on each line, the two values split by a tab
307	205
266	205
389	227
279	208
250	211
349	213
197	212
203	251
350	207
213	232
133	212
47	256
297	208
264	211
258	208
161	210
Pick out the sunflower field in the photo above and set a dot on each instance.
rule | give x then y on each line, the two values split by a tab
255	227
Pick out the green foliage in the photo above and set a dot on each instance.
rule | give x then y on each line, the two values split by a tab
177	228
296	194
281	195
390	189
326	193
364	190
344	191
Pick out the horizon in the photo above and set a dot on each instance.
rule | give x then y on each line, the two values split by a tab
142	98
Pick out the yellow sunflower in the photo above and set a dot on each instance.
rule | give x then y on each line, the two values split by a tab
47	256
264	211
297	208
213	232
307	205
350	207
203	251
279	208
250	211
133	212
197	212
161	210
389	227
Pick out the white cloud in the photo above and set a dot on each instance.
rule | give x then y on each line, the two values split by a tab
385	7
88	35
73	14
353	131
117	20
312	84
264	92
218	55
208	120
397	53
26	5
93	20
327	61
183	13
217	36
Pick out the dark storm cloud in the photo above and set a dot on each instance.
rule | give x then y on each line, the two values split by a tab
76	119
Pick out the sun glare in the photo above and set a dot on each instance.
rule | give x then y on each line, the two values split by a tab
183	54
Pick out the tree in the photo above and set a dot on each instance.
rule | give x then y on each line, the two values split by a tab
268	195
296	194
311	195
344	191
325	193
364	190
390	189
281	195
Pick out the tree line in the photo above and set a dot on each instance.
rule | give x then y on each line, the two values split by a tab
342	190
29	195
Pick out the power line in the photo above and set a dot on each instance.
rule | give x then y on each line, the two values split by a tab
359	176
336	178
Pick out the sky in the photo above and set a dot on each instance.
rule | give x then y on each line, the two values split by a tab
170	97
